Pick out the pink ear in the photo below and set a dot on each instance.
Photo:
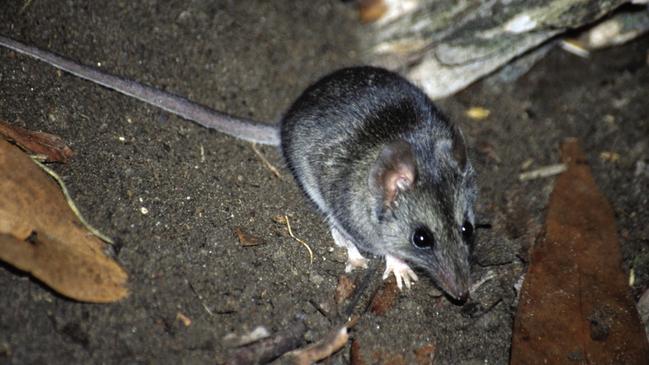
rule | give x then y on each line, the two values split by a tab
394	171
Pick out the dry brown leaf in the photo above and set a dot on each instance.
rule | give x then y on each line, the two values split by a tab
385	297
575	305
387	358
37	143
246	239
40	234
425	355
355	353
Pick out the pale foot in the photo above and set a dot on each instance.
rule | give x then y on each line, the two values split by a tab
354	258
402	272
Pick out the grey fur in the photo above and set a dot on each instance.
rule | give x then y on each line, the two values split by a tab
332	138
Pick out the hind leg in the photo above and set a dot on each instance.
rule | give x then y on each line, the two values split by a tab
354	258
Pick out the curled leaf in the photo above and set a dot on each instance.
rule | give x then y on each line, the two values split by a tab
40	234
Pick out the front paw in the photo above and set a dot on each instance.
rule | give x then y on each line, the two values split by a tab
402	272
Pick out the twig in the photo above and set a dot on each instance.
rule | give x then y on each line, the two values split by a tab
322	349
575	47
265	350
542	172
74	208
25	6
268	165
201	300
321	310
290	232
362	287
490	275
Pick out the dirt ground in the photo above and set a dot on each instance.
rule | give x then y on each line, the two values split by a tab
252	61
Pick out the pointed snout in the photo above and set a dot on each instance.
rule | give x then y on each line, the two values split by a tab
455	287
461	298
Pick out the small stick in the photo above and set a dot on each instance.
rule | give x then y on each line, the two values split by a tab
268	165
362	287
290	232
575	47
317	351
201	300
490	275
25	6
545	171
74	208
267	349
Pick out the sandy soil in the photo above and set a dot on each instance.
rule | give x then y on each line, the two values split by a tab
252	61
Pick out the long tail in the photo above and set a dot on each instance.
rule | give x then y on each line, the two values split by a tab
237	127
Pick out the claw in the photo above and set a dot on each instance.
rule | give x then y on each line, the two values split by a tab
402	272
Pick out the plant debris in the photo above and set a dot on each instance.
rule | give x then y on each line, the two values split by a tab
269	348
51	147
306	245
545	171
266	163
425	355
575	304
40	234
279	219
608	156
477	113
330	344
355	355
71	204
186	321
259	333
385	297
246	239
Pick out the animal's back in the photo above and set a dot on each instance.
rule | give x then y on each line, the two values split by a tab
335	130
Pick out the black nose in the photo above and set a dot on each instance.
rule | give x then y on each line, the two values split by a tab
462	298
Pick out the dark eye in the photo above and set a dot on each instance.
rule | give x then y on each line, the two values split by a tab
423	238
467	231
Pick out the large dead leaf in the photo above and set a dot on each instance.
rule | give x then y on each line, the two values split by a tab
40	234
575	306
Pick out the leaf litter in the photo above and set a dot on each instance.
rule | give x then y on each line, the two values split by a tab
575	304
42	235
